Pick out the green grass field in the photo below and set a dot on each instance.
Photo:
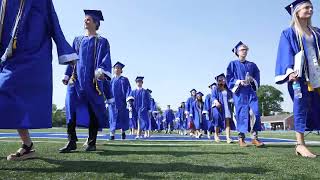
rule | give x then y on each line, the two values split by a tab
162	160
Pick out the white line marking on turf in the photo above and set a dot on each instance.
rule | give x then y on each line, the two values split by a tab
157	144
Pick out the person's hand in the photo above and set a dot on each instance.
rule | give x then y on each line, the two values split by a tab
217	104
250	79
243	83
65	82
101	77
293	77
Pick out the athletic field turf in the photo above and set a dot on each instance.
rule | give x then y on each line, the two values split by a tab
160	157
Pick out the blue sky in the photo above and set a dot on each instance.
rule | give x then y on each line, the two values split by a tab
180	44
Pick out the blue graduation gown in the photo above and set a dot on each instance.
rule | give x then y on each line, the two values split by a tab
153	109
189	102
26	76
197	115
133	119
94	54
208	111
245	97
176	122
306	110
182	118
118	112
159	122
169	117
218	114
142	106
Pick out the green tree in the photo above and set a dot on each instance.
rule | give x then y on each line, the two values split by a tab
159	109
270	99
58	116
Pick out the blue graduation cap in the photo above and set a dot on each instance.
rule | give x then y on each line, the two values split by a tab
291	7
220	75
139	78
119	64
149	90
193	90
213	84
235	49
96	14
199	94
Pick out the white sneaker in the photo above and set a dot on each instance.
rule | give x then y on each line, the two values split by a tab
229	140
85	144
217	139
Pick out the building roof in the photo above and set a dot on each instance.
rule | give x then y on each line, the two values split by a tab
275	118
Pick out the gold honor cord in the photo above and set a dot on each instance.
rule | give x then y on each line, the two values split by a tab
13	42
2	14
14	45
95	62
74	73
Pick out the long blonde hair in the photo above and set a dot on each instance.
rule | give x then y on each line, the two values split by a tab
295	20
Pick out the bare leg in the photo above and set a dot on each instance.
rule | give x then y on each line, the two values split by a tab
26	151
216	134
25	136
301	148
228	131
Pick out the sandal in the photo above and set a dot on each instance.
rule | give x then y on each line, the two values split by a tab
23	153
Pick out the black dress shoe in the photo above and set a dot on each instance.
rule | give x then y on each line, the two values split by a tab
70	146
123	136
91	148
111	138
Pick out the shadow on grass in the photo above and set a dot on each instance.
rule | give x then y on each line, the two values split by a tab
161	153
135	170
149	145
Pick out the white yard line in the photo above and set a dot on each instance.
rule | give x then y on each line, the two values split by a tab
11	140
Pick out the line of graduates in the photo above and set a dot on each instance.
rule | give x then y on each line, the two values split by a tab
26	32
231	105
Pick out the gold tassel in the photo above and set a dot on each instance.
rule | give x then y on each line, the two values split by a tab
14	45
310	88
97	87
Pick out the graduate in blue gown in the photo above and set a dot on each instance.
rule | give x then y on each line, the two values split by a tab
141	99
118	112
182	119
197	114
189	102
85	101
159	119
26	67
222	101
169	117
208	111
133	116
176	123
153	109
243	78
301	38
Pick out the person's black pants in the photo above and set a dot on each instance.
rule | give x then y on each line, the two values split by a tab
93	127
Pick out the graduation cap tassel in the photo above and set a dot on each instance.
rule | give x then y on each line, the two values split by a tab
97	87
14	45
